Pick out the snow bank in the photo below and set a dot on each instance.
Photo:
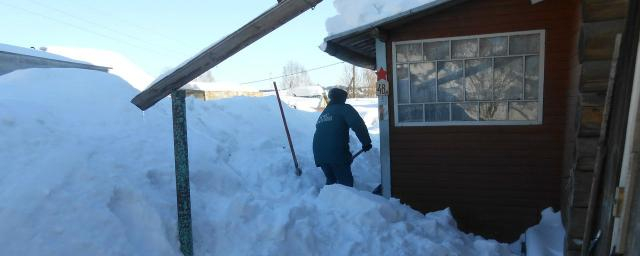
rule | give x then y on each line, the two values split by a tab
86	173
546	238
355	13
35	53
308	104
368	109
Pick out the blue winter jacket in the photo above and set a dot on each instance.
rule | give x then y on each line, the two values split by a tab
331	139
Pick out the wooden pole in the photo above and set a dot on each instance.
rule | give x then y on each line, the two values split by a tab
286	129
181	154
353	81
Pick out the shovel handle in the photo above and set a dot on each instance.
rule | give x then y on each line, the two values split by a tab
357	154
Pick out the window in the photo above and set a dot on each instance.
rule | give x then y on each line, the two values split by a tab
474	80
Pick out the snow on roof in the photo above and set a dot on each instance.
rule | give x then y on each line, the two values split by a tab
35	53
350	32
119	64
356	13
219	87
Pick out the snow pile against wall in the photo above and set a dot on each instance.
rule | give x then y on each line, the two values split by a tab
355	13
546	238
86	173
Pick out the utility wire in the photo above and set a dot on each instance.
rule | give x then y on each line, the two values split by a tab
103	27
169	38
79	27
293	74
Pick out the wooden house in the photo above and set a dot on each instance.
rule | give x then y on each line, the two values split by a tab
497	109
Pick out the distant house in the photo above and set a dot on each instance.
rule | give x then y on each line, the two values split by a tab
310	91
497	109
220	90
15	58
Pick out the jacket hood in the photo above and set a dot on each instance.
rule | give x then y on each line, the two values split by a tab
337	96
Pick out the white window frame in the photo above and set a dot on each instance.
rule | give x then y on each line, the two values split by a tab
540	100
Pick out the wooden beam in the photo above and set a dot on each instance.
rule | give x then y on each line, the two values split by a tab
597	39
268	21
599	10
350	56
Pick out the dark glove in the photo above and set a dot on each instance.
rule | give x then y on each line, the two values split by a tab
367	147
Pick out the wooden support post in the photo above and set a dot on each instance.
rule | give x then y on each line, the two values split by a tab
181	154
383	120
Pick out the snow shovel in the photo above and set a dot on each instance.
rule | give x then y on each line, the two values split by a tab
356	155
378	189
286	129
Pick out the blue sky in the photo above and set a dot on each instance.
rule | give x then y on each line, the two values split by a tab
158	35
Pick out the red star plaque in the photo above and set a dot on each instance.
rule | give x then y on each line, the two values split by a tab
382	74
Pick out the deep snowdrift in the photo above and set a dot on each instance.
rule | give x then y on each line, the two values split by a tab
86	173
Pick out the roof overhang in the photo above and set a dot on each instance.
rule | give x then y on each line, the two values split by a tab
357	46
268	21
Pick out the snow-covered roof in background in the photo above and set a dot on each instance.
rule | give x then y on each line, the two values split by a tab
219	87
307	91
36	53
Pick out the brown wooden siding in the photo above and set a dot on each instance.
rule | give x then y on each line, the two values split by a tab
495	179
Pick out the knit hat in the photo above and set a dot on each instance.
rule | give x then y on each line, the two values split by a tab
337	95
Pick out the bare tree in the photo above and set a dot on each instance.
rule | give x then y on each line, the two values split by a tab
294	75
368	80
359	81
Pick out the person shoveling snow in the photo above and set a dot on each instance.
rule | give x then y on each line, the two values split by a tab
331	139
85	173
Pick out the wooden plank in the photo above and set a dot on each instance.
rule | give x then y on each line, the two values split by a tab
599	10
262	25
597	39
578	217
602	151
585	163
618	123
592	99
590	122
581	184
594	76
586	147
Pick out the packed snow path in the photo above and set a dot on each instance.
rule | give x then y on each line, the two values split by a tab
84	172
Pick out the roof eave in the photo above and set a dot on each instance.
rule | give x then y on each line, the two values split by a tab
344	53
350	56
